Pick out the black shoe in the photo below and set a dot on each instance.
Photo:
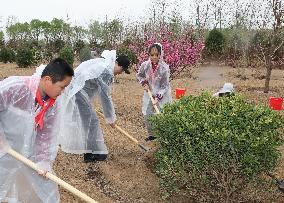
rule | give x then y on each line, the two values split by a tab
88	157
150	138
99	157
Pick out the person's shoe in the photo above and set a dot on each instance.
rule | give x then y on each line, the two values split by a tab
150	138
99	157
88	157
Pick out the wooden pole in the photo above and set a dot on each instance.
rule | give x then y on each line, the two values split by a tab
151	97
127	135
50	176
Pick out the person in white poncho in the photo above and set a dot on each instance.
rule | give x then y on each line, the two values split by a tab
81	132
28	124
154	75
226	90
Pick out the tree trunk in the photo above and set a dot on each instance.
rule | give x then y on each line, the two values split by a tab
268	66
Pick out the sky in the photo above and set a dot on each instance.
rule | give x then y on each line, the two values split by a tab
80	12
83	12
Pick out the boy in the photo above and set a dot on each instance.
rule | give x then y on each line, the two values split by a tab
28	125
93	78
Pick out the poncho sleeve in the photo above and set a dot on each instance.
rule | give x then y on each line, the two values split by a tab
164	82
11	92
141	75
106	100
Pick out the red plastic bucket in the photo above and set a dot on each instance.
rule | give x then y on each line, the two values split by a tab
275	103
180	92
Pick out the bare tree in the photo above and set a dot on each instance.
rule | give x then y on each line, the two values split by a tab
271	26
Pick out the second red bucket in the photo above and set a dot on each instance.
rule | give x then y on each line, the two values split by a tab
275	103
180	92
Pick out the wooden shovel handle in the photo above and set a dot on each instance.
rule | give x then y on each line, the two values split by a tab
50	176
127	135
151	97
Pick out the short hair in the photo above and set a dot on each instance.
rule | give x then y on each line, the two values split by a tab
57	69
124	62
157	46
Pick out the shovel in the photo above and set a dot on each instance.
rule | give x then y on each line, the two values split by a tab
50	176
279	183
127	135
153	102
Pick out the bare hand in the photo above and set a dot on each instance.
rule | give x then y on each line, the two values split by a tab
112	125
155	101
146	87
42	173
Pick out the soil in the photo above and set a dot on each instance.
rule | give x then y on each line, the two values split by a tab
128	174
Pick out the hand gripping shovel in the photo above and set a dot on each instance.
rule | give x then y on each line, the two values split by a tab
127	135
49	175
151	97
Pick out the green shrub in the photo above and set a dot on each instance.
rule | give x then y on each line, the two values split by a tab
215	43
85	54
261	38
58	44
2	39
24	57
131	55
7	55
80	44
265	39
215	148
47	55
67	54
37	56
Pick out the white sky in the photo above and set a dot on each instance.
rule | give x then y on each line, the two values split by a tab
79	11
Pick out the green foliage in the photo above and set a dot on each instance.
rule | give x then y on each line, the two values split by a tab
18	31
67	54
85	54
7	55
47	55
261	39
2	39
37	55
58	45
24	57
215	43
80	44
236	41
126	51
213	148
264	40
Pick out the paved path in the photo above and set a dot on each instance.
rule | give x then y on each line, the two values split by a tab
210	77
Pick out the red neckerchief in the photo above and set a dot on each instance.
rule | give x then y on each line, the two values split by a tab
40	116
154	67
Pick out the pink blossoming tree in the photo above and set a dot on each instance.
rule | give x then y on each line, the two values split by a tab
181	52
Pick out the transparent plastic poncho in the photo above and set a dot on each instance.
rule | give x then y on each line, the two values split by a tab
158	82
19	183
80	133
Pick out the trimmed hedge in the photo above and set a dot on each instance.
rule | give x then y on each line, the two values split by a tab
213	148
